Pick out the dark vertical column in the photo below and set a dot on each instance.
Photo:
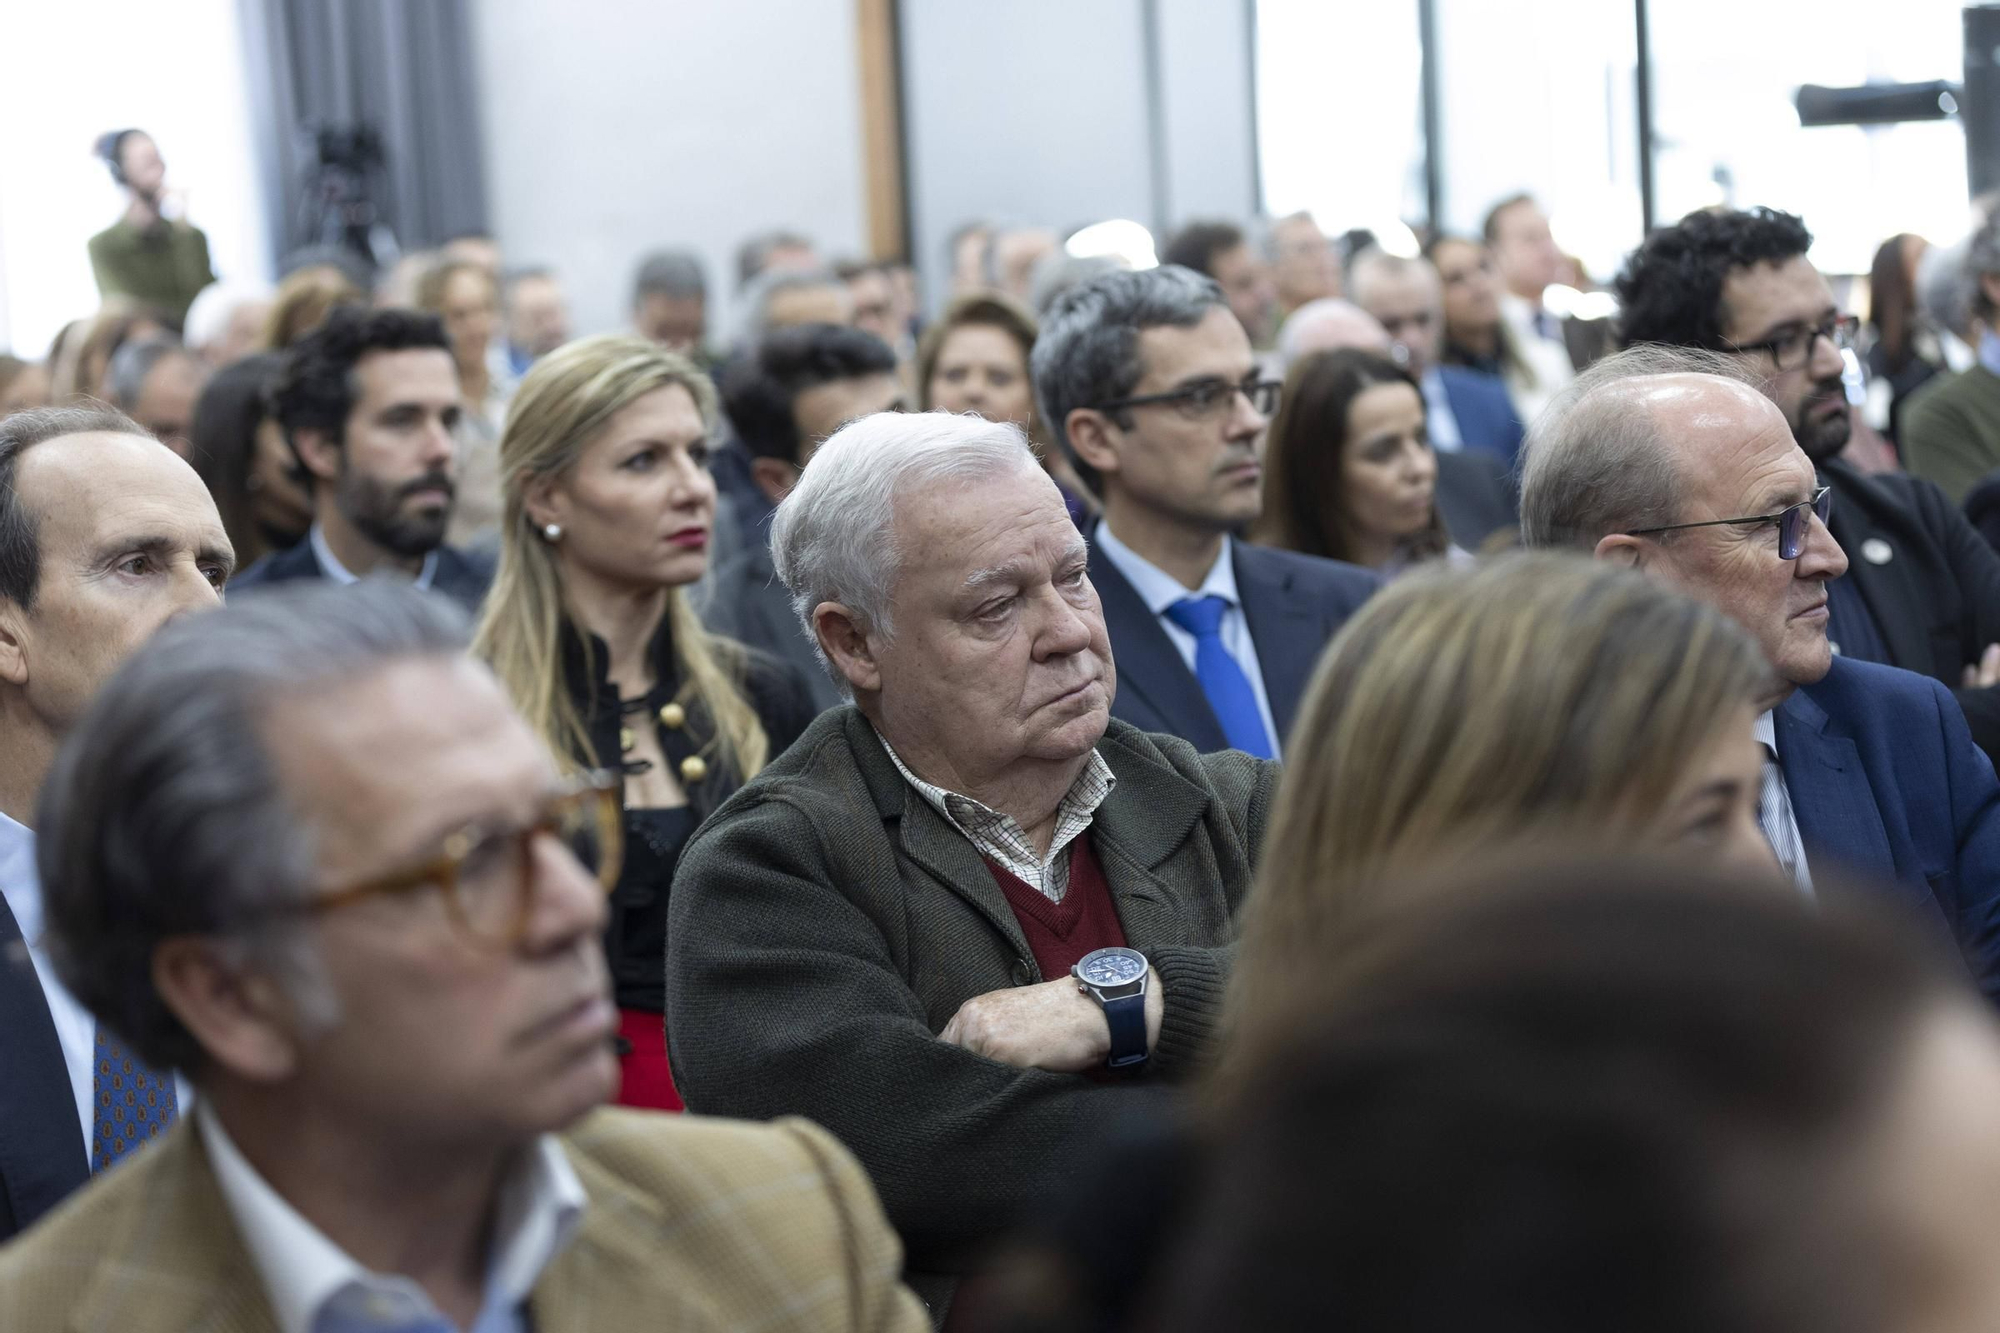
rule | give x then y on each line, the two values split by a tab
1643	71
1427	45
1156	118
1256	208
1979	104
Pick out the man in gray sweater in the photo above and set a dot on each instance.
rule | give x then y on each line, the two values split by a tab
970	921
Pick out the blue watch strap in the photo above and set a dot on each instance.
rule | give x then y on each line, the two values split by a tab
1127	1018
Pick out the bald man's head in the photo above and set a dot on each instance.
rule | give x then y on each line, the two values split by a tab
1600	459
1675	462
1327	326
1406	298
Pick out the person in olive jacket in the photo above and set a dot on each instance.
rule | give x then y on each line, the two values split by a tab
878	932
608	510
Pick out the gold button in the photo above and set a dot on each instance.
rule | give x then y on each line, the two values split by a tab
693	768
672	715
625	741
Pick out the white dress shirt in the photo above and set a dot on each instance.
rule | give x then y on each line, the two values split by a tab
317	1287
1160	590
1440	422
21	885
329	563
1774	809
1548	367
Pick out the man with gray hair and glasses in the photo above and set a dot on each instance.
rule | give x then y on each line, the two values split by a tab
1673	461
1148	382
971	920
306	852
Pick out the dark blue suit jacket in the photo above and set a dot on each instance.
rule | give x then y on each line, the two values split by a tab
463	576
1484	412
1885	780
1294	604
41	1144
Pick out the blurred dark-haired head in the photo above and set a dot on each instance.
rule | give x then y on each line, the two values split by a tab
800	384
239	450
1614	1095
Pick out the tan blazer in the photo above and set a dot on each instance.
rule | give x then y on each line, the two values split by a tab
693	1223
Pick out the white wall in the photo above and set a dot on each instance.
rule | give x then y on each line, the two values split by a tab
173	70
1035	111
614	127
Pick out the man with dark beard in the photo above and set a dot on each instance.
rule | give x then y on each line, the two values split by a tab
369	402
1922	590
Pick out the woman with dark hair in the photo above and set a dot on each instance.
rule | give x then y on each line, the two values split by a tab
238	450
1349	473
1904	355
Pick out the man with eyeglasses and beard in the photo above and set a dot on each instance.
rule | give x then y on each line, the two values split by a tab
1922	591
1149	382
370	402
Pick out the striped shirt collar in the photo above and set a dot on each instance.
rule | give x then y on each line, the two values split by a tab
1000	837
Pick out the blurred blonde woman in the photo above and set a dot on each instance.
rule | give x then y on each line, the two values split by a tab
1465	714
303	301
608	509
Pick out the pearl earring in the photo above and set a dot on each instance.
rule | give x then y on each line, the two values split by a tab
552	531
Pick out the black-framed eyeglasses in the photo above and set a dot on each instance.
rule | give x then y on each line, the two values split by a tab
1791	523
1794	349
1206	398
486	871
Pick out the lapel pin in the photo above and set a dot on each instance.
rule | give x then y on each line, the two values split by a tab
1876	551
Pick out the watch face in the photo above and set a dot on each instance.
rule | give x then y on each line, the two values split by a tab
1112	967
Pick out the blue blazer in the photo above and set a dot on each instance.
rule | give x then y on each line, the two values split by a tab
41	1144
1293	603
1885	781
1485	413
463	576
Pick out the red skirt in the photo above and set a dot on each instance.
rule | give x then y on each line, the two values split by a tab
644	1077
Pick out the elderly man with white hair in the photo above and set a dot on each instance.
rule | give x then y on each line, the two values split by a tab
970	920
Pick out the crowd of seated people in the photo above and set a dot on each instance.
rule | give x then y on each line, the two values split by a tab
1056	805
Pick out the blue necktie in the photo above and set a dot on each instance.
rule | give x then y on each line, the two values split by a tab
131	1103
1222	680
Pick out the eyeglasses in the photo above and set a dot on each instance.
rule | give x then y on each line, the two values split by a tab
1791	523
1794	349
1207	398
486	872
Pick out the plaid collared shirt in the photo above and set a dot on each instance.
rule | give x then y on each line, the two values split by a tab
1000	836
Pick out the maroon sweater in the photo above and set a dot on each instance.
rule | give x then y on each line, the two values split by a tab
1062	933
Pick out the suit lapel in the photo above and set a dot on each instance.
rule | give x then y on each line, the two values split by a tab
1288	636
41	1144
172	1258
1888	589
944	853
1151	667
1144	821
1831	795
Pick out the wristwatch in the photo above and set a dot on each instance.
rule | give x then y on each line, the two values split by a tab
1116	979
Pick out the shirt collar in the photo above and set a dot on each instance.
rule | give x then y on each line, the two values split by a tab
1765	729
329	563
20	883
541	1204
1159	589
1092	786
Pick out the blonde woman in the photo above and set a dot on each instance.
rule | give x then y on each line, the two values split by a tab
1535	700
608	507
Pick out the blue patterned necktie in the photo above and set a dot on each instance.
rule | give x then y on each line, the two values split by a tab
1229	691
131	1103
